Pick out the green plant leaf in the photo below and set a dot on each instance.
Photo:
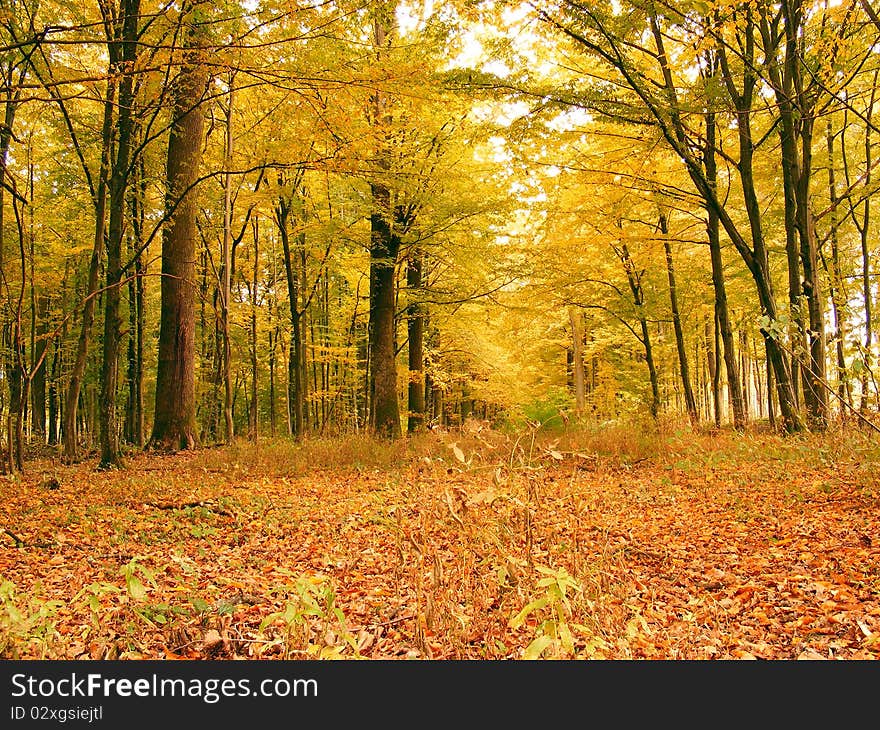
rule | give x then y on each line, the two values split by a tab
529	608
537	647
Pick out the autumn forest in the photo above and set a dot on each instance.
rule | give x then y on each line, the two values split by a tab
480	329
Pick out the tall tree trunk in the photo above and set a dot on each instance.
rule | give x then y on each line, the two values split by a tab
131	364
722	314
226	272
255	415
415	347
123	54
70	435
138	199
12	371
796	126
384	249
689	400
272	415
755	257
863	225
836	287
174	426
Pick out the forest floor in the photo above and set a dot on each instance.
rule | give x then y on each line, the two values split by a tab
463	545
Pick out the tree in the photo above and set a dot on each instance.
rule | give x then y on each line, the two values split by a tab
123	55
174	425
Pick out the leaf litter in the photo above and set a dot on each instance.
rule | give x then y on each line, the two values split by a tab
471	549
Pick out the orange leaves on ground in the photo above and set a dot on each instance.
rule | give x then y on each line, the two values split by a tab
186	557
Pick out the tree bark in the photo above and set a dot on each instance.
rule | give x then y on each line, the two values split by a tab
69	433
384	248
684	370
174	426
226	271
38	389
295	385
255	400
836	288
415	347
719	288
578	378
635	285
123	53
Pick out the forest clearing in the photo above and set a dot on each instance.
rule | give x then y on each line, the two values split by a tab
454	546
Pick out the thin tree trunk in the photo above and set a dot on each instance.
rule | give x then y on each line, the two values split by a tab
714	363
635	285
684	370
38	390
70	434
226	277
722	314
255	418
272	347
415	347
836	285
744	369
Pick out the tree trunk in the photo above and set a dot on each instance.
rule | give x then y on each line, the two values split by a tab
635	284
226	271
690	401
255	416
54	402
384	247
122	54
715	367
273	339
295	394
578	379
140	266
415	347
69	433
722	314
796	126
174	426
836	287
38	388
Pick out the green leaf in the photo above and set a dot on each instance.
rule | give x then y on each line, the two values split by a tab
529	608
537	648
136	588
565	637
